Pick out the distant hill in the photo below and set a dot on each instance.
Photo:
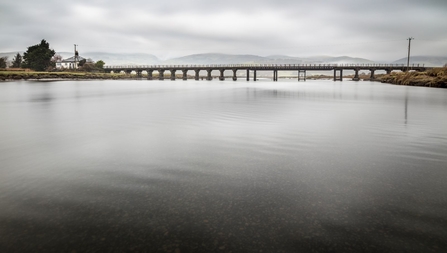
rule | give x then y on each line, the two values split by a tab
429	61
108	58
10	55
319	59
117	59
273	59
284	57
216	58
347	59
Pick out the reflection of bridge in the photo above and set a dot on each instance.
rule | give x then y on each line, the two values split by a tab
300	68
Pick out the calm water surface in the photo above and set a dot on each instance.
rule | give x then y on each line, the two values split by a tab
152	166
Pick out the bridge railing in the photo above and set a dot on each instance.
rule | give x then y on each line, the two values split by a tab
217	66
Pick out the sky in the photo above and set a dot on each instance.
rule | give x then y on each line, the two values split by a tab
377	30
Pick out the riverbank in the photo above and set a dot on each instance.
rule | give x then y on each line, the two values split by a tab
6	75
31	75
436	77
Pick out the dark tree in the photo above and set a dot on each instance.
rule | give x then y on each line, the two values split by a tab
17	61
38	57
3	62
82	62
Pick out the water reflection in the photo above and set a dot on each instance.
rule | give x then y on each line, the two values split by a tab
42	98
222	166
406	107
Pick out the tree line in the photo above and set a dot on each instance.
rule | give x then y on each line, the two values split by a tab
40	58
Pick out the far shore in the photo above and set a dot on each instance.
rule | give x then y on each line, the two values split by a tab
436	77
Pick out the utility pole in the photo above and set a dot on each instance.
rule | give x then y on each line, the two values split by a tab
408	59
75	57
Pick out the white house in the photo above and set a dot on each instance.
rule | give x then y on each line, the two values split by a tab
69	63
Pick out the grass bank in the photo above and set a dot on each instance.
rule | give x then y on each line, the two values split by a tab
31	75
436	77
13	75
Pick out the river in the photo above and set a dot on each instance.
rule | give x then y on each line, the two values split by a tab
210	166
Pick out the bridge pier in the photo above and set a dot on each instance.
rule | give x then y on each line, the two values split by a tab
300	68
299	75
222	77
161	74
335	75
208	75
197	73
372	77
356	75
149	74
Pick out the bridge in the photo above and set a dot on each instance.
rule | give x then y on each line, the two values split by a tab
255	68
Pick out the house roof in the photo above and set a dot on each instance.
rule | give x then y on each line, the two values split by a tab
72	59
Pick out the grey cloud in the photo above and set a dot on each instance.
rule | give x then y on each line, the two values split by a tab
375	30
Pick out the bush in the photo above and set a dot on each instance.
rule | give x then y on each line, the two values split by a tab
3	61
100	64
88	67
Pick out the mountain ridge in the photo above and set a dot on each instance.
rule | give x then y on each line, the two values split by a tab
429	61
220	58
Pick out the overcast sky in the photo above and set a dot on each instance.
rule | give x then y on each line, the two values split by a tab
377	30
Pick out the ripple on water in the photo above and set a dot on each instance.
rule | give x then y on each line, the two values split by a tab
222	166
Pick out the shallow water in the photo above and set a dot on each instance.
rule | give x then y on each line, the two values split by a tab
162	166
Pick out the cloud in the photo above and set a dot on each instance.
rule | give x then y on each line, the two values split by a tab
375	30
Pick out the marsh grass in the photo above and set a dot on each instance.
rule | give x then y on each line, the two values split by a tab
436	77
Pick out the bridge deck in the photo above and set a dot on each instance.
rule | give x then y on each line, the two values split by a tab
268	67
337	68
